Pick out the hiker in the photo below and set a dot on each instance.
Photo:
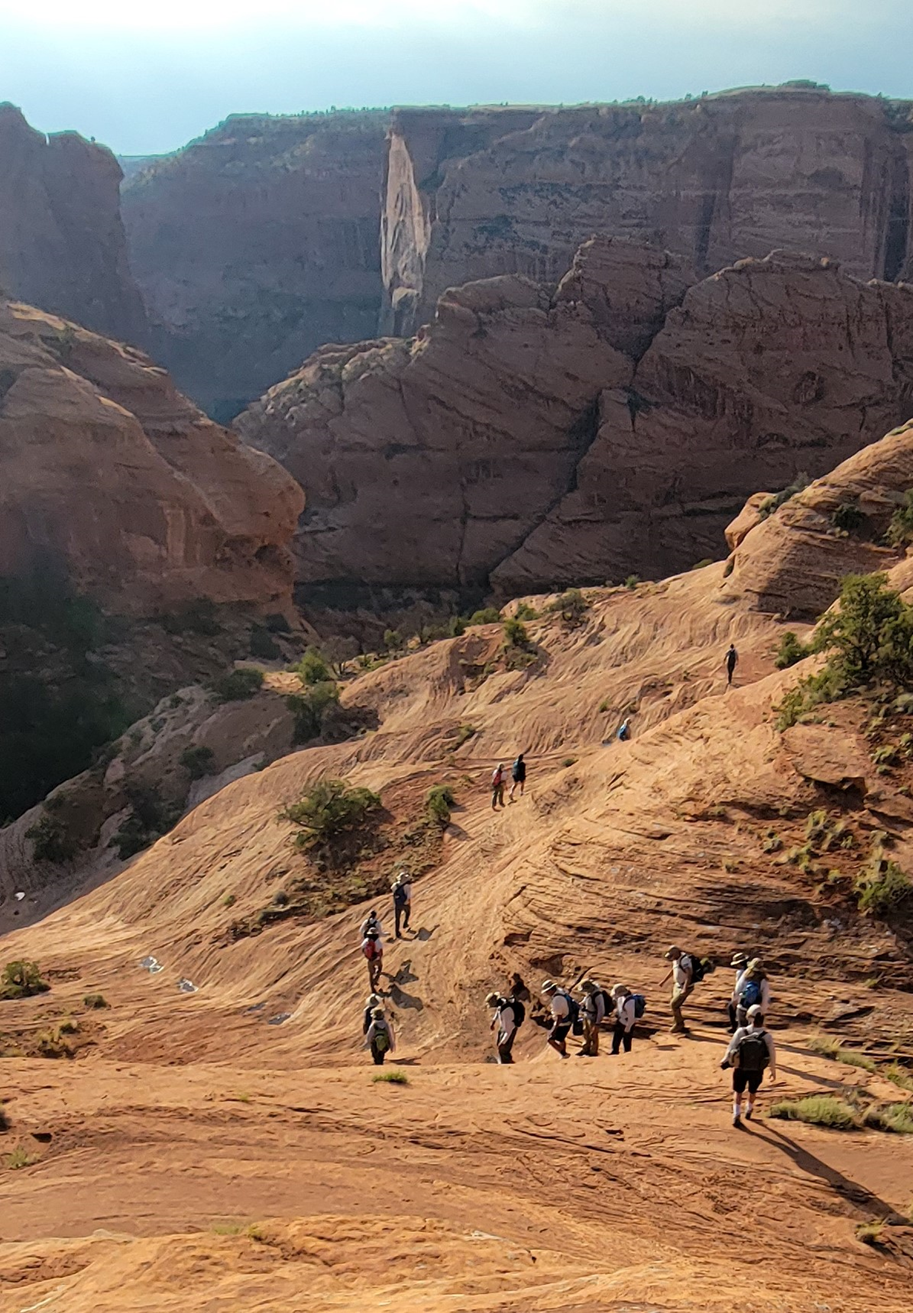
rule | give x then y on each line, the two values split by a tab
379	1037
402	897
593	1009
371	922
751	988
740	962
373	949
497	787
682	973
625	1018
564	1013
624	730
517	776
374	1001
508	1015
751	1050
732	660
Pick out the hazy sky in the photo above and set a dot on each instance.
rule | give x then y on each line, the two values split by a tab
146	78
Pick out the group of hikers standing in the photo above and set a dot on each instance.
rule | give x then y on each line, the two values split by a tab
567	1015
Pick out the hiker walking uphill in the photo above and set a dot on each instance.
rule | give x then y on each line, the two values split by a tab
517	776
593	1009
373	950
564	1013
752	988
374	1001
686	971
497	786
740	962
509	1014
402	902
751	1051
379	1037
628	1007
732	660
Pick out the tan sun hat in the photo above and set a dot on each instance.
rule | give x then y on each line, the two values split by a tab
753	1011
754	965
674	951
588	986
618	990
738	959
548	985
491	1000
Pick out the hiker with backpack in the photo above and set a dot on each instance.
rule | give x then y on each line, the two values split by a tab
509	1015
732	660
379	1037
751	989
517	776
751	1051
373	950
565	1013
687	970
497	787
593	1008
629	1008
740	962
402	898
624	731
371	922
374	1001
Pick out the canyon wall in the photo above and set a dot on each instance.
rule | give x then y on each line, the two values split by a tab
257	244
714	179
532	437
119	482
62	244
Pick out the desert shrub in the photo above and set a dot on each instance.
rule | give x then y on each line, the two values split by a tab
568	761
526	612
703	563
327	811
393	640
515	633
729	567
849	518
870	1233
198	761
899	1075
464	734
871	635
771	504
229	900
881	886
456	626
572	606
900	530
309	709
632	581
21	979
95	1001
150	817
313	668
390	1078
51	840
263	645
18	1159
238	685
438	802
894	1117
488	615
831	1048
825	686
817	1110
790	651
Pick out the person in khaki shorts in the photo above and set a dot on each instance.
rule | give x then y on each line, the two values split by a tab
682	973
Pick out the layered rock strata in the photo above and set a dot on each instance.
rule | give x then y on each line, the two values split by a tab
530	437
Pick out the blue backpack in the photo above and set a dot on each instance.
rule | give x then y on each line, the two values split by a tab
751	994
640	1005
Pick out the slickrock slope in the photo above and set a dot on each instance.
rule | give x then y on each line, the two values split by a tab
257	244
62	243
244	1097
792	562
121	483
529	438
714	179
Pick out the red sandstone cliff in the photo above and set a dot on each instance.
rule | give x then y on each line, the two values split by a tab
117	478
257	244
714	179
62	243
528	437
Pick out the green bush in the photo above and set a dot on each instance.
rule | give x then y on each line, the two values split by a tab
393	640
95	1001
198	761
464	734
881	886
803	697
150	817
515	633
390	1078
438	802
263	645
238	685
489	615
631	582
833	1049
900	530
51	840
328	811
894	1117
526	612
871	635
899	1075
771	504
790	651
817	1110
849	518
313	668
572	606
703	563
21	979
309	710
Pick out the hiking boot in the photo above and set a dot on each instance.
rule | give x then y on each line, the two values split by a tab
737	1121
748	1112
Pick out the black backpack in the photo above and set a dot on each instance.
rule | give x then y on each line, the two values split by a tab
573	1007
700	967
608	1003
519	1011
752	1053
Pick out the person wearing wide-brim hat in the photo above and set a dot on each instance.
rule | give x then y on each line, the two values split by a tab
504	1017
373	1001
682	973
752	988
593	1011
380	1038
739	962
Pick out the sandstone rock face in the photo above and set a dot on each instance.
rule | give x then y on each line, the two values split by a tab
257	244
122	483
793	562
531	438
62	243
714	179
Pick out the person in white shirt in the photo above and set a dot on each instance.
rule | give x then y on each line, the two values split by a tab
560	1004
682	973
371	922
751	987
380	1038
504	1018
593	1009
740	962
625	1018
751	1051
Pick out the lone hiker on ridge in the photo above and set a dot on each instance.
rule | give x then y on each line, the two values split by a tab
380	1038
517	776
751	1050
732	660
